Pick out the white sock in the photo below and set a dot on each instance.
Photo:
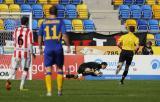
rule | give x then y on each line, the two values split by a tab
23	78
12	74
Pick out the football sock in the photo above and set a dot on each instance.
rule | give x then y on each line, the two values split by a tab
48	81
23	78
124	75
59	80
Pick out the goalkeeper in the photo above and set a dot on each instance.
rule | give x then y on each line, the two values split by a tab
89	68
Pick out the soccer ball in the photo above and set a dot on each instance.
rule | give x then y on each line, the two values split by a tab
8	85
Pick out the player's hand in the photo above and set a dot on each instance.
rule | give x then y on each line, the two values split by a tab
68	49
33	55
41	51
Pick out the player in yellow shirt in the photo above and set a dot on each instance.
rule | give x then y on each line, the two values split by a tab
129	44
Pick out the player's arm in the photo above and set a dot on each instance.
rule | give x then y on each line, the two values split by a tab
30	38
66	39
119	43
137	45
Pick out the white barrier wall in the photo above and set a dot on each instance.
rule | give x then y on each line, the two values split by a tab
142	67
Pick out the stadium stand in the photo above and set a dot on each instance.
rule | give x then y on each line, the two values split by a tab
89	26
42	1
9	24
1	24
146	12
151	2
54	2
157	39
14	8
124	12
77	25
142	25
9	1
153	26
82	11
150	37
37	11
71	11
31	1
34	24
68	25
4	8
65	2
76	2
20	1
135	12
61	11
26	8
117	2
156	11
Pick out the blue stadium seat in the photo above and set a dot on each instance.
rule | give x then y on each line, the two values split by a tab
89	25
146	12
135	11
9	24
157	38
71	11
37	11
60	11
1	1
20	1
142	25
124	12
64	2
75	2
153	26
128	2
34	24
139	2
31	1
67	25
26	8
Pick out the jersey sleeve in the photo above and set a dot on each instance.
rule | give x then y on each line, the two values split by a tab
136	41
41	29
120	39
30	39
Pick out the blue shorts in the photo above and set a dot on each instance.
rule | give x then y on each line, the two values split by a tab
52	57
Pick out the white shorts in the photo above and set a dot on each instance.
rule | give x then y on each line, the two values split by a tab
23	63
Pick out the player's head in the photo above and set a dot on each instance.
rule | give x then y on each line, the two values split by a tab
103	65
24	21
132	29
53	10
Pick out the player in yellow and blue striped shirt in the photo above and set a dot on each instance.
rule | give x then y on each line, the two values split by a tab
52	31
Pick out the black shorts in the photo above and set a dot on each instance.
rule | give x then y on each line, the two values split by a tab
126	55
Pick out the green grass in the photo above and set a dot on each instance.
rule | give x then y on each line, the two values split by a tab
85	91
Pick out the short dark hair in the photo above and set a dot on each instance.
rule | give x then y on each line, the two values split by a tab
132	29
53	10
104	63
24	20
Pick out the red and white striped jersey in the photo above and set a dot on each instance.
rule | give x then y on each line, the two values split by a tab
23	40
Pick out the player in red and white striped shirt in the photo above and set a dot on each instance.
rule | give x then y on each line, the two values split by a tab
23	39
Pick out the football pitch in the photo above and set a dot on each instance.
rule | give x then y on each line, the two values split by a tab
85	91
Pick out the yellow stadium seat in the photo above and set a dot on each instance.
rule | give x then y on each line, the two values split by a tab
14	8
54	2
1	24
4	8
82	11
150	37
151	2
156	11
42	1
40	22
46	8
77	25
9	1
117	2
131	22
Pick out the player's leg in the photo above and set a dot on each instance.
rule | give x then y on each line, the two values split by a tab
121	61
129	57
59	62
48	62
14	66
25	66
